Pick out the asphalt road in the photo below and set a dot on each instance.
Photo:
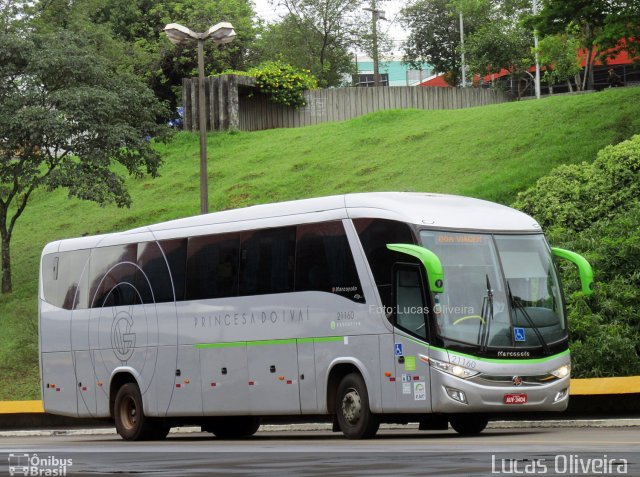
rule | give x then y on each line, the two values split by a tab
593	451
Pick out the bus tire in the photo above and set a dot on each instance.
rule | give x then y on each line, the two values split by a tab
239	427
128	413
469	424
354	415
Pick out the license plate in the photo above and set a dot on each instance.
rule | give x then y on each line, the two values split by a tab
515	398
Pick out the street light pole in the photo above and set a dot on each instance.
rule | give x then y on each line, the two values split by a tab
204	175
220	33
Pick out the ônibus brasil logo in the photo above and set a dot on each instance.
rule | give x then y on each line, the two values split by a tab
32	464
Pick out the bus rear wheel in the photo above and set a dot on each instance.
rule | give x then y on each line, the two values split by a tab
355	418
232	427
131	423
468	424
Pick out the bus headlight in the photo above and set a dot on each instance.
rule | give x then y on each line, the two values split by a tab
562	371
453	369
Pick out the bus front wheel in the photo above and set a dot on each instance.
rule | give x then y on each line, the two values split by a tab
355	418
468	424
131	423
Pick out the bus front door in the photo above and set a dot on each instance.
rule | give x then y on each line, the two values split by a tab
411	340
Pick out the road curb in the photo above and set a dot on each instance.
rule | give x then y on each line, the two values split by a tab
548	424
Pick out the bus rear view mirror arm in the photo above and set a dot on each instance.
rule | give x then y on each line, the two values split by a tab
429	260
584	268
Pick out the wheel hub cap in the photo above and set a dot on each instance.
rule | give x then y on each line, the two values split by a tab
351	406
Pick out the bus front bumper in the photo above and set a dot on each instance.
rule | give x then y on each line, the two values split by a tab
455	395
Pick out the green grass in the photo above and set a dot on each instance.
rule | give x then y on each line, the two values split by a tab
491	152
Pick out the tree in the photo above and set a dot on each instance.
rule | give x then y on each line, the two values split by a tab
590	18
132	30
299	44
10	12
327	28
559	55
621	31
66	117
502	45
434	33
434	36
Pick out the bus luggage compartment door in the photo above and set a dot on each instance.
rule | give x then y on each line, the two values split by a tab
224	380
59	387
273	378
86	384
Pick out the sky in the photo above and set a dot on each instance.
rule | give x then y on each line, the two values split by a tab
392	26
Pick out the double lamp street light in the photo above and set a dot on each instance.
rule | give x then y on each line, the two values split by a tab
221	33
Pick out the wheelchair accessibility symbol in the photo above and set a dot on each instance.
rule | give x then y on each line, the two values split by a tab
398	349
518	334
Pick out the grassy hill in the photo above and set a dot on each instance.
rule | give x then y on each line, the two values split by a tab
492	152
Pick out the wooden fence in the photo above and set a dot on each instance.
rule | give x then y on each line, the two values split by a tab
238	104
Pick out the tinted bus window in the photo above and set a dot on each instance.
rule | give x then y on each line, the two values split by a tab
112	276
212	266
374	235
64	285
324	261
50	283
267	261
154	281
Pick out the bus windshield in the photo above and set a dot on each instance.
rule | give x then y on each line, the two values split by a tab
501	291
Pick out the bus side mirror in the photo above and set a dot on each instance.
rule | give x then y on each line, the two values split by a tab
430	261
584	268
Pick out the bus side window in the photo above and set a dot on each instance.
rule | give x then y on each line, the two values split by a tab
267	260
154	272
409	295
324	261
212	266
374	235
112	279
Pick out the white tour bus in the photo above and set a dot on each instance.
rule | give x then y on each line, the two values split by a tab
361	309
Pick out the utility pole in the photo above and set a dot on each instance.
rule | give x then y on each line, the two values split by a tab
537	55
464	66
375	16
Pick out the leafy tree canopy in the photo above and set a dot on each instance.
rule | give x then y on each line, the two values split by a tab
434	32
325	29
300	44
132	30
67	115
434	36
604	27
502	45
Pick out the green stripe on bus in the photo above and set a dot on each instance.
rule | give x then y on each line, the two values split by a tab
237	344
494	360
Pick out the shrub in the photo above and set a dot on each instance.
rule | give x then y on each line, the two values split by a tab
594	210
283	83
576	196
605	327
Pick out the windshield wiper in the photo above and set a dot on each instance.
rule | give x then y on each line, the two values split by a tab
516	302
487	317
